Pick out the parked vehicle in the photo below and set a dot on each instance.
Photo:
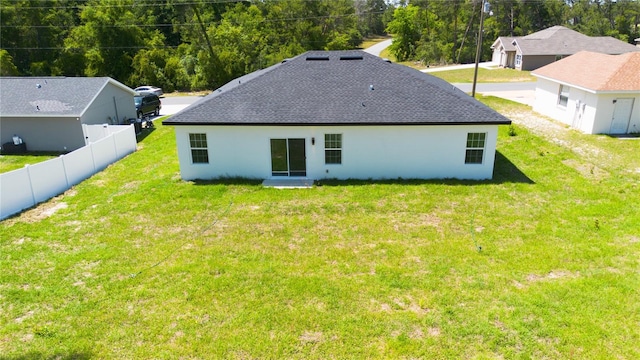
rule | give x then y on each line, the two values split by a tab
149	89
147	104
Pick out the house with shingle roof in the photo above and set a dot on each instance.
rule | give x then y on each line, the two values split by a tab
595	93
546	46
50	113
337	115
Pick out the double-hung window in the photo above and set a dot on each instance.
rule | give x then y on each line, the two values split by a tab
563	96
199	151
333	148
475	148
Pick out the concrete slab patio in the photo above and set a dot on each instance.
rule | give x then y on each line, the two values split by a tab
288	183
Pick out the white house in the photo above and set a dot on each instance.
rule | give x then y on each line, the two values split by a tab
546	46
595	93
49	113
337	114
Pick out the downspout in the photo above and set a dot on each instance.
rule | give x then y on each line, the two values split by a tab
115	105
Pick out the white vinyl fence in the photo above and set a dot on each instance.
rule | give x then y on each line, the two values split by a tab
23	188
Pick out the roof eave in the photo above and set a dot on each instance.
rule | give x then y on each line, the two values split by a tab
564	83
78	116
440	123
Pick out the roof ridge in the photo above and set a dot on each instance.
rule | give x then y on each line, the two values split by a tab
624	59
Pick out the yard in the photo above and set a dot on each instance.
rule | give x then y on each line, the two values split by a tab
13	162
541	262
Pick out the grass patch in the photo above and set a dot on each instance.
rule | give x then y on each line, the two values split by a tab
484	75
140	264
13	162
386	54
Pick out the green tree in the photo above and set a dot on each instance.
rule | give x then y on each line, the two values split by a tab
32	31
107	41
405	28
7	68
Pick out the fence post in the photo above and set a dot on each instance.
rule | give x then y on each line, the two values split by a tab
115	144
64	169
33	194
93	158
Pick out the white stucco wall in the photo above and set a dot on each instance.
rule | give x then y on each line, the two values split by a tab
606	106
597	113
368	152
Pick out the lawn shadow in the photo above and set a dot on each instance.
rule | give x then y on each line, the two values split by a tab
631	136
144	133
228	181
504	171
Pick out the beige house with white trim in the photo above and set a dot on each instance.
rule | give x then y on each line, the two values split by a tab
592	92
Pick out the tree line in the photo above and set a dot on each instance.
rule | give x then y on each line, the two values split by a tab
446	31
202	44
176	44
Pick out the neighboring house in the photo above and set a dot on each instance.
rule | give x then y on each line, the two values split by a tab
546	46
595	93
337	114
48	113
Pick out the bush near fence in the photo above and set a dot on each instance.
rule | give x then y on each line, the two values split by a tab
23	188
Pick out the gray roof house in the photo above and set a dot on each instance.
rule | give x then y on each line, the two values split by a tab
48	113
546	46
337	114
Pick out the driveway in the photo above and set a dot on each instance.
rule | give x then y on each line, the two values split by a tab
377	48
173	104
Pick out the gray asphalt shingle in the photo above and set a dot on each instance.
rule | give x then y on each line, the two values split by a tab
559	40
308	91
48	96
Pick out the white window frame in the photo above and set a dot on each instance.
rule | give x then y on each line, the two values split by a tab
332	149
198	145
476	142
563	96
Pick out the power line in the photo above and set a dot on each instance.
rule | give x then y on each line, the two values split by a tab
264	20
138	3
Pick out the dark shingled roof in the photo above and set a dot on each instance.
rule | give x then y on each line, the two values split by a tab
337	88
559	40
50	96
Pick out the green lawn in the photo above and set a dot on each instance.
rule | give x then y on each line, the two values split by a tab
541	262
466	75
13	162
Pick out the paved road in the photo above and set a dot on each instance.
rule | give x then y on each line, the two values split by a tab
173	104
377	48
522	92
486	65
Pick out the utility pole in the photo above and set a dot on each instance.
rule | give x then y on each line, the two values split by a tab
483	9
